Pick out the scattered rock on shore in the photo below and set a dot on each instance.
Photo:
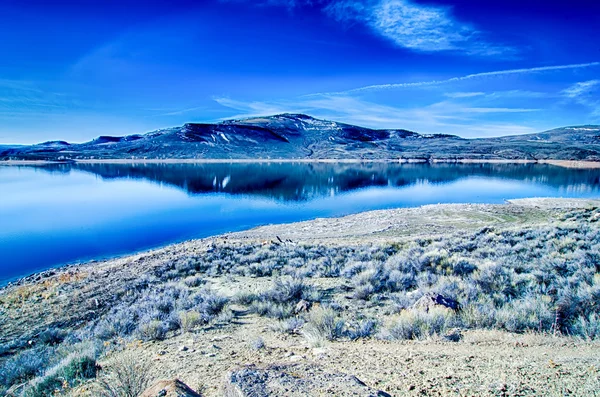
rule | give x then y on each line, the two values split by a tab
170	388
294	381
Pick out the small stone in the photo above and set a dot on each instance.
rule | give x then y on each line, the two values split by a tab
320	351
183	348
169	388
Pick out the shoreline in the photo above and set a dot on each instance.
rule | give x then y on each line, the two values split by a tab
260	233
580	164
262	300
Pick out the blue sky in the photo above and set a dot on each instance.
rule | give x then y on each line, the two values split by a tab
74	70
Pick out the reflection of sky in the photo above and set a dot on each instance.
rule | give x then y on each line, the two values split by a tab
48	219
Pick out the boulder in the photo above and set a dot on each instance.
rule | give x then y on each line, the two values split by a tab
431	300
294	380
169	388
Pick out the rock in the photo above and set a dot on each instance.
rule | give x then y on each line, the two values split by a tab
302	307
431	300
320	351
183	348
294	380
169	388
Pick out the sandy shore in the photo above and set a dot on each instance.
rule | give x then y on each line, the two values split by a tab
558	163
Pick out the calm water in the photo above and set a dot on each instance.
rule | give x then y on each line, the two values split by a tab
58	214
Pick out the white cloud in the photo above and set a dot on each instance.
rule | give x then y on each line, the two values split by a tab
582	88
585	93
407	24
416	27
377	87
463	94
444	117
18	98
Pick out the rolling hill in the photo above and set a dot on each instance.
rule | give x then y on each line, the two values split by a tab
298	136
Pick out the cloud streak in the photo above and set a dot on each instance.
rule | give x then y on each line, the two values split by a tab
585	93
442	116
377	87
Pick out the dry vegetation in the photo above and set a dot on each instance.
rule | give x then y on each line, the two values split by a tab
521	312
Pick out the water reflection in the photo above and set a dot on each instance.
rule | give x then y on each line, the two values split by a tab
306	181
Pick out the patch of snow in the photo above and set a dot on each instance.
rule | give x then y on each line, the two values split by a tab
224	137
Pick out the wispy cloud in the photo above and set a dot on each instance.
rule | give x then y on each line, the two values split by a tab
463	94
416	27
377	87
19	98
586	93
442	116
179	112
582	88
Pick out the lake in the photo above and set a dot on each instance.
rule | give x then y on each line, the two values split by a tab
57	214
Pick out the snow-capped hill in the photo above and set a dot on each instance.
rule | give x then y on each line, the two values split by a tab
299	136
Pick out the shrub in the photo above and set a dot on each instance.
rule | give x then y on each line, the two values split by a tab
245	298
525	314
323	325
363	329
52	336
414	324
67	373
588	327
124	376
189	319
193	281
23	366
118	323
272	309
153	330
289	326
287	290
462	267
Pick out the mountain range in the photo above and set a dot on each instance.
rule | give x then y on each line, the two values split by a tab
298	136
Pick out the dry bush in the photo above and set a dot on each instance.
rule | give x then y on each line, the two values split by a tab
126	375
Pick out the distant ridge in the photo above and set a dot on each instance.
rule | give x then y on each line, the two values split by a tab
298	136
